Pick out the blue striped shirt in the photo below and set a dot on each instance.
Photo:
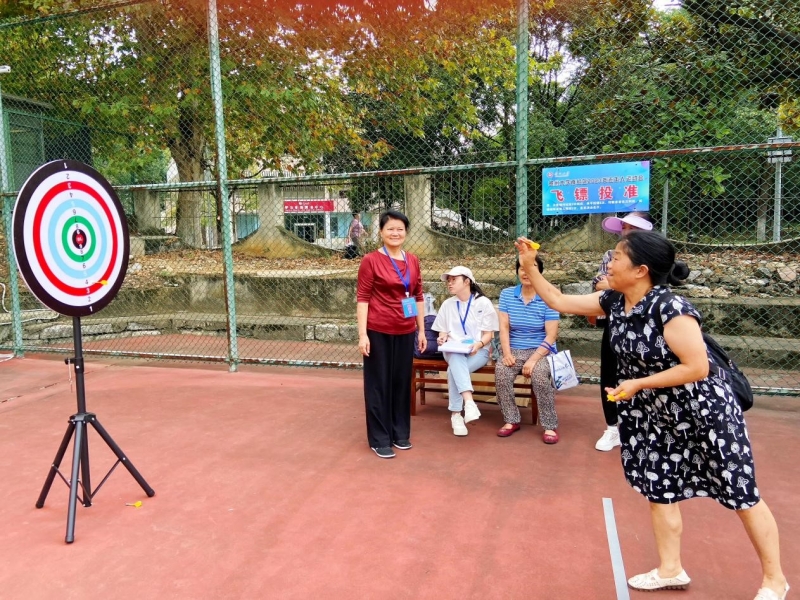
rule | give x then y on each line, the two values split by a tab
526	320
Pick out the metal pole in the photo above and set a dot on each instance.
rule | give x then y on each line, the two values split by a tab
222	184
522	117
776	217
776	213
5	187
665	207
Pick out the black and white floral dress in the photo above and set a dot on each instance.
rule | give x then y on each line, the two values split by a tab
680	442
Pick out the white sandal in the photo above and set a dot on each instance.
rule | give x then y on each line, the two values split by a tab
650	582
768	594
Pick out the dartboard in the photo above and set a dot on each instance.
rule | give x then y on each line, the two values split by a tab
70	238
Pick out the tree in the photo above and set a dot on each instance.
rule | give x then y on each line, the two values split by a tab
302	83
656	80
434	88
140	78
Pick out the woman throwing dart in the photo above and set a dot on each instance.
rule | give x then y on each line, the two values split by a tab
682	431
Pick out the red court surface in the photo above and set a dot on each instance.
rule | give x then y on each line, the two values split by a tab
265	488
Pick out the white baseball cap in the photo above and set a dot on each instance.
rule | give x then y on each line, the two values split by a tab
455	271
614	224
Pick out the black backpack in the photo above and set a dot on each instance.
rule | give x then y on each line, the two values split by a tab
432	351
726	368
728	371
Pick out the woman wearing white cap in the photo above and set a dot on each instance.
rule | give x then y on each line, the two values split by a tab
467	320
608	360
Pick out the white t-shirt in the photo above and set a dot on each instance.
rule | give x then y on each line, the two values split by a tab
481	317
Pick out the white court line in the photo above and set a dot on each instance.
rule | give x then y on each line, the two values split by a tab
620	581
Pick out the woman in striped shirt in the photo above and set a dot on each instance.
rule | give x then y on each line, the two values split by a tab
528	332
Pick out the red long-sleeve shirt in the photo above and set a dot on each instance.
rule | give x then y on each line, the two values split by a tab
380	286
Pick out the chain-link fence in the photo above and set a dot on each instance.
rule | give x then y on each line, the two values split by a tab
334	109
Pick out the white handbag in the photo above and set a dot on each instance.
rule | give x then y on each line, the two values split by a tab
562	371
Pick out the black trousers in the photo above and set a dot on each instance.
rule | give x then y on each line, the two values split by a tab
608	375
387	387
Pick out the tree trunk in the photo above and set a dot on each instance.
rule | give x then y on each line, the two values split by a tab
187	150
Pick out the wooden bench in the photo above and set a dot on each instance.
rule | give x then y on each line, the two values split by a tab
431	375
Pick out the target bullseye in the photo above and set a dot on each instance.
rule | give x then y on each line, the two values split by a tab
70	238
78	239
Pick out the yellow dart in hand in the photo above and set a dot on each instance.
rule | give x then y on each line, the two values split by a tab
613	398
534	245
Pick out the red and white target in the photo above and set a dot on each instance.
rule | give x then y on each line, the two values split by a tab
70	238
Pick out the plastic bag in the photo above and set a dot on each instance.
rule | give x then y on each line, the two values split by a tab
562	371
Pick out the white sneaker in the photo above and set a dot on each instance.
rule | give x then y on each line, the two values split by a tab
459	427
609	440
471	412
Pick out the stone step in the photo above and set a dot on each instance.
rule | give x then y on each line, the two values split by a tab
584	343
296	295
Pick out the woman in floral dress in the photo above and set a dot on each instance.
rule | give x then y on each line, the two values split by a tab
683	433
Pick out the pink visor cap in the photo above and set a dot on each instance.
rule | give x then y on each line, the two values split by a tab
614	224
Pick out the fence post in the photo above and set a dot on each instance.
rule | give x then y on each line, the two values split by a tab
776	212
522	117
13	278
665	207
222	184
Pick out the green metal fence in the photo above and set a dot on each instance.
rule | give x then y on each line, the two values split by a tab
241	136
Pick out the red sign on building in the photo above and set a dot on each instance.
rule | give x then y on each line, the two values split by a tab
307	206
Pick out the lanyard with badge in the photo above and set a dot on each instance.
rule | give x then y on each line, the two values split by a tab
468	340
409	304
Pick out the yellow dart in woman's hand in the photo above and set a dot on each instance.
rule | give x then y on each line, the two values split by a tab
534	245
613	398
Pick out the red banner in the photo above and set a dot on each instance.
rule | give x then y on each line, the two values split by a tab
307	206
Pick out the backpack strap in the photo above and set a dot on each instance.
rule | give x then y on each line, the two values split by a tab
721	369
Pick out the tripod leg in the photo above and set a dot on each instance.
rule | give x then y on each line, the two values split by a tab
80	427
51	475
123	459
86	482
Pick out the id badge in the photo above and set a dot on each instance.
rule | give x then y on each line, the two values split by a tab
409	307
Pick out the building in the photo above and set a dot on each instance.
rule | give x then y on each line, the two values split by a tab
34	138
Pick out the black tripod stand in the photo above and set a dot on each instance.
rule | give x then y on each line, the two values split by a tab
80	457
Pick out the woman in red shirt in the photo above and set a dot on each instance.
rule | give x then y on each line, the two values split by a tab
390	315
